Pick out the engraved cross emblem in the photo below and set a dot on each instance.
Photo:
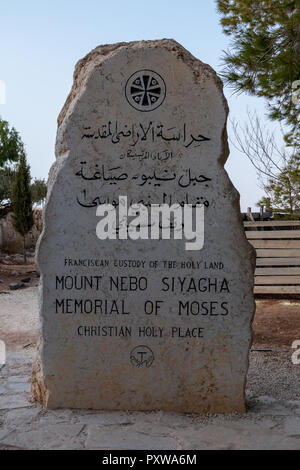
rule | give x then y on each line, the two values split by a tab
145	90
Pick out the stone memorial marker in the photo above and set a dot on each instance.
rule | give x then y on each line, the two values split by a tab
143	324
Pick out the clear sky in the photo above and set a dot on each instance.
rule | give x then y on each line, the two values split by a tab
41	40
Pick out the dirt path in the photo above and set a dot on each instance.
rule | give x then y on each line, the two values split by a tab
276	323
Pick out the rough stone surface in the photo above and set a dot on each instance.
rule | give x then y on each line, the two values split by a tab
11	241
172	150
16	285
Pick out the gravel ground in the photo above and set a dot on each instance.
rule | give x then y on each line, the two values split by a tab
273	374
19	317
272	420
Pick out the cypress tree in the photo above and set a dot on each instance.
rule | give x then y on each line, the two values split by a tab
21	200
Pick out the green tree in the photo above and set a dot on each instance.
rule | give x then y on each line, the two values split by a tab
21	200
277	167
11	147
6	180
283	193
265	55
7	174
38	191
10	144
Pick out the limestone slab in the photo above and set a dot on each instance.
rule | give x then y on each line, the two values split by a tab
143	324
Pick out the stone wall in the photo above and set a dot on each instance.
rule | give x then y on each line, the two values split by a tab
11	241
